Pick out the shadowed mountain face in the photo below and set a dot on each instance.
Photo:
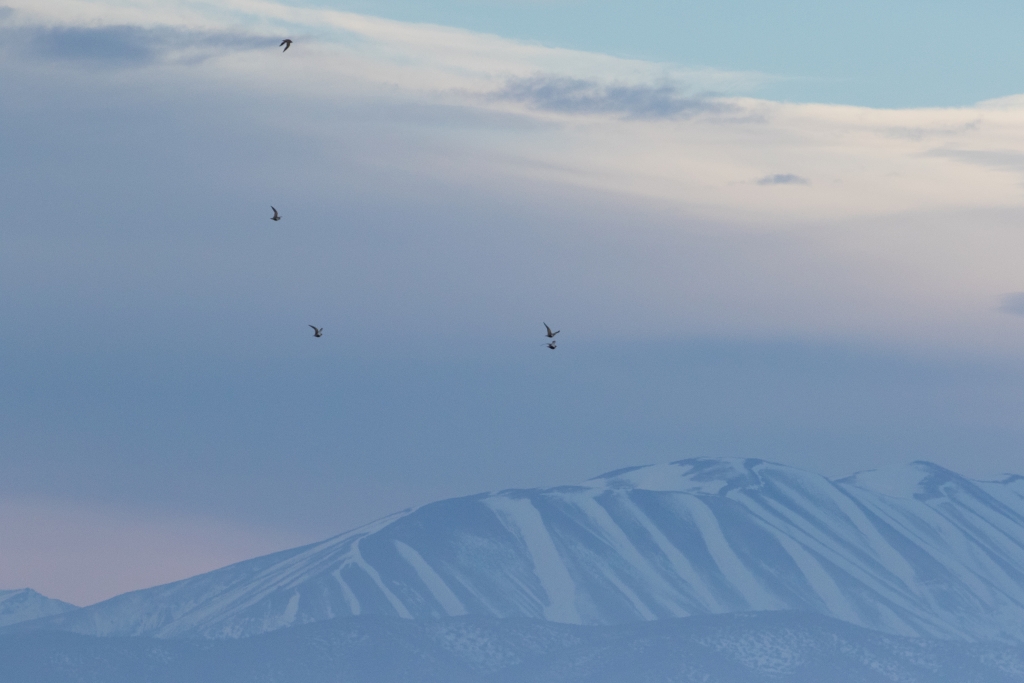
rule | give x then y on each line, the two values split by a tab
914	551
765	647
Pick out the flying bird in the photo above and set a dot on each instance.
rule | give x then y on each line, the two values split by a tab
317	331
276	216
551	335
552	345
287	42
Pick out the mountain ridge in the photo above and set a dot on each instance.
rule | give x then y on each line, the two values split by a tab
24	604
917	551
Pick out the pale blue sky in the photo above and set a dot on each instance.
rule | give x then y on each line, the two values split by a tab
165	409
912	53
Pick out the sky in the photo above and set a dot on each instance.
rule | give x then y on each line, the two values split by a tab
913	53
790	232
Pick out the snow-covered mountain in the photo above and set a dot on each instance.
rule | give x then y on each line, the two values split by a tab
917	550
25	604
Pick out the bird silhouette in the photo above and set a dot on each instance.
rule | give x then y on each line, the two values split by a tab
552	345
287	42
551	335
317	331
276	216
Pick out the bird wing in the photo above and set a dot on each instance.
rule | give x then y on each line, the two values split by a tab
275	210
547	328
314	328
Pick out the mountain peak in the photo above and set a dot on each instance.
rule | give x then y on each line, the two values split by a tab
917	479
704	476
24	604
913	550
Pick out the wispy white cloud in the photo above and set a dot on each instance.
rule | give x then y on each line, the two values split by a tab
622	125
497	113
448	57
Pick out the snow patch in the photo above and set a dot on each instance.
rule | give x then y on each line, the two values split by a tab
666	477
434	583
521	518
353	602
392	598
898	481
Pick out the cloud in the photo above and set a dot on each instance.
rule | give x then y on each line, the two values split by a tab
1012	303
989	158
6	12
579	96
417	56
635	145
127	45
783	179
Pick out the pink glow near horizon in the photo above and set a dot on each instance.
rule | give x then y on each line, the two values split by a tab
83	554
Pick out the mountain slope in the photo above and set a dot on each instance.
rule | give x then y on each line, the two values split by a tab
25	604
915	551
764	647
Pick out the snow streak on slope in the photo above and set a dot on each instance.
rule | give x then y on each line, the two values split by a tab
920	551
25	604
